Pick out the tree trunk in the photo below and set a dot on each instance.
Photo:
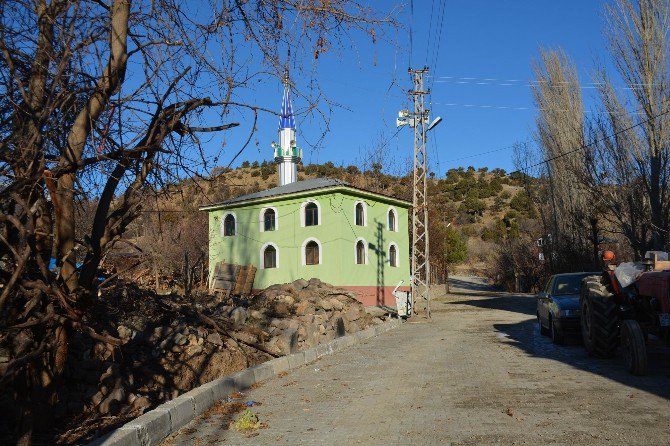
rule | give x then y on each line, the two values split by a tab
594	241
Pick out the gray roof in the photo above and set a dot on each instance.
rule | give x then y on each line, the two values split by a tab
292	188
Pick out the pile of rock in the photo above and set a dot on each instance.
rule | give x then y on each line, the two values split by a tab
171	345
302	314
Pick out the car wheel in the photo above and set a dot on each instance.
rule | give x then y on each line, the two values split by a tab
543	331
556	335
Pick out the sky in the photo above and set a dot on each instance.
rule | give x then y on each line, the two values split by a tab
479	54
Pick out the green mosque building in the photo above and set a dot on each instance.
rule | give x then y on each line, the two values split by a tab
320	228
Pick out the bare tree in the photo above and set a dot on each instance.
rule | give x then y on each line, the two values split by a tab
569	215
629	166
102	101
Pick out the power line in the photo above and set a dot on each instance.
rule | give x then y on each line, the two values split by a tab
436	53
430	28
586	146
476	155
411	31
522	108
454	80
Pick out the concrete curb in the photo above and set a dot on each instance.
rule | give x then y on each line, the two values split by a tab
152	427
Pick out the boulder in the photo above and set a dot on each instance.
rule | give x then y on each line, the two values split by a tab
306	294
288	341
324	304
112	403
353	313
215	338
287	288
336	304
239	315
300	284
255	314
141	403
97	398
376	311
306	318
281	309
179	339
281	324
161	332
286	299
314	283
125	332
110	373
304	307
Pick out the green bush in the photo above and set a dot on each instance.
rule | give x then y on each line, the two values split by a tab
456	247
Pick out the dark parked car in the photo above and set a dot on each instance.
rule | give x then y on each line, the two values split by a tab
558	305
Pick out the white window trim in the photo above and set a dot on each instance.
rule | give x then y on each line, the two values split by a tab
262	262
302	251
261	219
397	254
397	222
365	251
223	223
302	212
365	212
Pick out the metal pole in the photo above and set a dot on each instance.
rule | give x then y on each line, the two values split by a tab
420	249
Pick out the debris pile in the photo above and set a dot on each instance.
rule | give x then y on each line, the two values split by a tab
172	344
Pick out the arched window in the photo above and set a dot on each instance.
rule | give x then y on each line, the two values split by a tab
312	253
360	252
270	257
269	220
392	220
311	214
360	215
229	225
393	255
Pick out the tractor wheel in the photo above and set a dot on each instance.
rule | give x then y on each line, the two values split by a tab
633	347
599	319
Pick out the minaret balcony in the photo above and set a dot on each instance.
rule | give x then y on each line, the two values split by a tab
293	151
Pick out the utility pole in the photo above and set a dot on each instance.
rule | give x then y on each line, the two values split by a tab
419	120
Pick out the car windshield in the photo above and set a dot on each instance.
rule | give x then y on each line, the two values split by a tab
568	284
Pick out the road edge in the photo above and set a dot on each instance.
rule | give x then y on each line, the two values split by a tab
155	425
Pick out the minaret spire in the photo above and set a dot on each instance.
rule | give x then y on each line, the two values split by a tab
287	154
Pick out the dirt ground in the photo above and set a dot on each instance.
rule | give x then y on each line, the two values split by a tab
479	373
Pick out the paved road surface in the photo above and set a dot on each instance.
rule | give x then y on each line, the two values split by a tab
479	373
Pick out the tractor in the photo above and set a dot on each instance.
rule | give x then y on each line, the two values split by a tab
613	315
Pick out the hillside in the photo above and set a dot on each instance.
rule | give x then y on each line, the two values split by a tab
471	213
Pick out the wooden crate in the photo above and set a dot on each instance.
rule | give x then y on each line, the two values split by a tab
236	280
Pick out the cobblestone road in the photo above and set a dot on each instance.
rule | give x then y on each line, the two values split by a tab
479	373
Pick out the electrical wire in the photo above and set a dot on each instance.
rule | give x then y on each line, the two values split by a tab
411	31
436	53
611	135
430	28
477	155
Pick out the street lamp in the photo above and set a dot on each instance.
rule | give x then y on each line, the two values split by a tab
435	122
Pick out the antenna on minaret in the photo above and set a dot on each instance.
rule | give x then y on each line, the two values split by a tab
287	155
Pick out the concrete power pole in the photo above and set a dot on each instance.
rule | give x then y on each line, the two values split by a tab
418	120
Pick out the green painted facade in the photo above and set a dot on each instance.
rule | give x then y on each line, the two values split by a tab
337	234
